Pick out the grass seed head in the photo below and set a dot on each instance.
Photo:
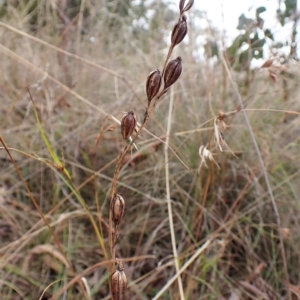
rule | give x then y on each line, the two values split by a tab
119	283
153	84
118	208
173	71
179	31
205	155
128	124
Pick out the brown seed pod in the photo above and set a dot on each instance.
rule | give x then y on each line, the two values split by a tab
118	283
179	31
188	6
128	124
181	5
183	8
153	84
173	71
117	208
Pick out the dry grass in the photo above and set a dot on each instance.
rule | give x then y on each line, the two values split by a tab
230	208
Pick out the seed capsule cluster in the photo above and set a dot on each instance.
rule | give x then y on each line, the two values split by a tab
173	68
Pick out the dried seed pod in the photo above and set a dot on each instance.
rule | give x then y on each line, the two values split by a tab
153	84
173	71
188	6
118	283
128	124
179	31
117	208
181	5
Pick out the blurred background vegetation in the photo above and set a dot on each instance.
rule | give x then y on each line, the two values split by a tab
113	45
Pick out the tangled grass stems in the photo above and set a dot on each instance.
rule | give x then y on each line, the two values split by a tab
30	195
183	268
262	165
234	201
90	269
74	56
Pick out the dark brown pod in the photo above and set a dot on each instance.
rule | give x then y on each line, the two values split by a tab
173	71
128	124
153	84
188	6
179	31
117	208
181	5
118	283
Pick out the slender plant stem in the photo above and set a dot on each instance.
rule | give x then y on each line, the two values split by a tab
125	149
113	233
167	59
171	224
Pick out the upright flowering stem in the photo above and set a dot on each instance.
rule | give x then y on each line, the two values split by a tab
154	90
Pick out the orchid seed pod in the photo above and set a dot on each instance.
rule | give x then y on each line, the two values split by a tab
185	8
153	84
117	208
181	5
128	124
173	71
118	283
179	31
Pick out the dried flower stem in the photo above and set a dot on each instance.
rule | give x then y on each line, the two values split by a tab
167	59
113	230
172	71
124	151
112	234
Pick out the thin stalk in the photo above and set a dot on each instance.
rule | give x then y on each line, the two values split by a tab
112	234
171	224
124	151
